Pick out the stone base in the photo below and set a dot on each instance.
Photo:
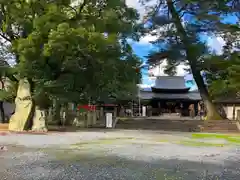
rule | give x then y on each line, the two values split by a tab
39	121
19	119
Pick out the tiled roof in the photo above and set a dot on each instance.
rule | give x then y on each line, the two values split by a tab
170	82
170	96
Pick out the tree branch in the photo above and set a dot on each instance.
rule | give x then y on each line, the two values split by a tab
5	37
8	31
78	15
12	77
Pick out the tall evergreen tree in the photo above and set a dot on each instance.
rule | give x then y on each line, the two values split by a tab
179	25
223	76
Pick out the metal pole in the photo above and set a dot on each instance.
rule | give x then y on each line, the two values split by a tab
132	108
139	102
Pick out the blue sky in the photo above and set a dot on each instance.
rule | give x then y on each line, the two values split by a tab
143	47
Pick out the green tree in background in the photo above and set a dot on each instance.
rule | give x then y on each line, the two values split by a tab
223	70
69	51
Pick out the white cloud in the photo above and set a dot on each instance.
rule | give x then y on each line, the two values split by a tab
142	10
159	69
143	86
147	39
216	44
134	4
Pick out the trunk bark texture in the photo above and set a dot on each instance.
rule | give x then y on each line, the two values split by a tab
234	112
56	112
2	117
212	112
2	112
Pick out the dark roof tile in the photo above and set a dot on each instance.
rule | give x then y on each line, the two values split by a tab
170	82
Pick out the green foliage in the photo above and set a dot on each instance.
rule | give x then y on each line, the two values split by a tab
234	72
181	24
72	53
9	93
223	75
224	69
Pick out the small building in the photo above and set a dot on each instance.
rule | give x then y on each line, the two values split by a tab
231	106
170	95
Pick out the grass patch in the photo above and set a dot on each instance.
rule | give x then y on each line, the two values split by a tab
102	141
213	135
200	144
162	140
235	139
194	142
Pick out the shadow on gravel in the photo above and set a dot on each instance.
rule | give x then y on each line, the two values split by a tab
91	167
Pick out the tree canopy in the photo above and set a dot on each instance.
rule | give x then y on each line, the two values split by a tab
70	51
74	49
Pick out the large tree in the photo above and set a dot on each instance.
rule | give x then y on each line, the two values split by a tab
64	50
179	26
223	69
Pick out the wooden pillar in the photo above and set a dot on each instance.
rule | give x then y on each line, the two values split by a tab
159	108
121	114
101	116
115	112
238	115
234	112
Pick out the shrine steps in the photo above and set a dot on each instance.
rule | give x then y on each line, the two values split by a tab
223	126
160	124
179	125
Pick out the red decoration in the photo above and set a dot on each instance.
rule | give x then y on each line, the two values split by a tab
87	107
137	70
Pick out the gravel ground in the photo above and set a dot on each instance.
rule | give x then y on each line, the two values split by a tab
139	155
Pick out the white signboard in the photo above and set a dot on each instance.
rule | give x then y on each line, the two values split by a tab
109	120
144	111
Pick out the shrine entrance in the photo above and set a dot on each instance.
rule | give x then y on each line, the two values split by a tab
177	107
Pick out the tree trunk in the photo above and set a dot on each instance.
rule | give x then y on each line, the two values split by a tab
27	115
233	113
2	117
56	112
212	112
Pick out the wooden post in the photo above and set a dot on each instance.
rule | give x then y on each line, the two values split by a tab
115	112
238	115
101	113
234	112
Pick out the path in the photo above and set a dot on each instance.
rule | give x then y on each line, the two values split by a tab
115	155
